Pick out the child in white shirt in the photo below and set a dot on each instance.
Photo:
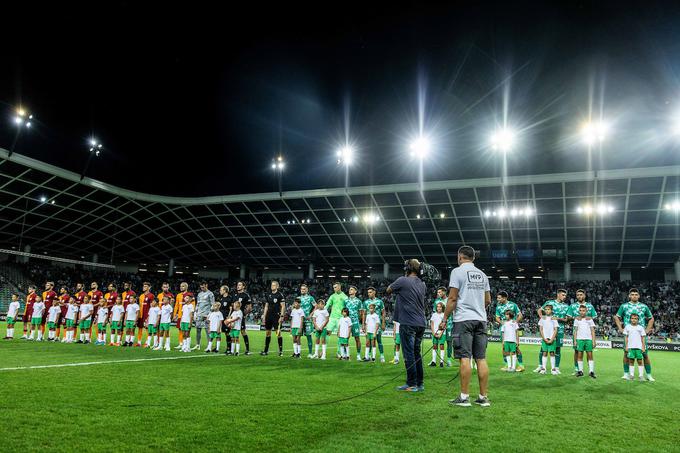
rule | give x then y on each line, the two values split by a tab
102	318
52	318
152	324
131	314
635	345
117	321
371	327
12	311
344	331
234	321
510	340
164	326
185	323
297	316
71	314
215	319
320	318
36	318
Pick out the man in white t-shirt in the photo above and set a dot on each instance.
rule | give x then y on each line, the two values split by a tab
469	297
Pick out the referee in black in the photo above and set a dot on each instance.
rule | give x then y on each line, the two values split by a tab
225	301
274	308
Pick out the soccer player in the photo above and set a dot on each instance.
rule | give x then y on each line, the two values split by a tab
102	318
274	308
334	306
297	317
185	322
344	330
645	319
548	327
145	300
574	312
307	304
215	324
584	339
12	311
165	292
80	300
503	305
559	314
380	311
397	343
510	340
179	302
71	316
320	317
117	321
53	315
441	298
354	307
371	328
28	309
85	319
64	298
164	326
225	301
438	335
96	296
49	296
152	320
243	298
204	302
634	345
111	295
131	315
129	294
236	319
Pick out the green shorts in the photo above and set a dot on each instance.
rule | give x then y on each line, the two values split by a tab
36	321
10	321
439	341
545	347
343	341
509	346
234	333
152	329
184	326
101	327
323	334
397	340
164	327
86	324
356	330
70	323
370	336
635	354
584	345
115	325
130	324
51	325
295	331
214	335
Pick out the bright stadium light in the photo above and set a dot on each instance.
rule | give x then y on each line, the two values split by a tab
594	132
420	147
600	209
95	147
674	206
370	218
417	216
345	155
43	199
355	219
503	140
442	215
22	118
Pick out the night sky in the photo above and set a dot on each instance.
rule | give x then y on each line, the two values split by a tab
196	100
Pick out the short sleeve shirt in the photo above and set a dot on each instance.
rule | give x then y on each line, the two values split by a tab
472	285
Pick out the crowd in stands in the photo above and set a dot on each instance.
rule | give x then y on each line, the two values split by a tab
663	298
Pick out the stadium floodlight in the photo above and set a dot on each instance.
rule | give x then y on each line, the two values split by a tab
442	215
503	140
675	206
371	218
594	132
355	219
22	118
417	216
487	213
502	213
420	147
43	199
345	155
95	147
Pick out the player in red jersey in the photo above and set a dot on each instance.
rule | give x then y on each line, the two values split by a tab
64	297
111	295
128	294
28	310
145	300
177	311
96	296
48	297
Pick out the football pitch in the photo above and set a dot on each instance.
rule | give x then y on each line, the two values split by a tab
70	397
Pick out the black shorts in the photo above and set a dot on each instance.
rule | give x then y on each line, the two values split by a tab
469	339
225	329
271	323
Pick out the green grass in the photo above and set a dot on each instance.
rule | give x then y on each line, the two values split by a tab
270	403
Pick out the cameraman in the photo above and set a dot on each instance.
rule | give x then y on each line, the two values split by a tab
409	312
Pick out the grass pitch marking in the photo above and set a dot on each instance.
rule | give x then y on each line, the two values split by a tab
102	362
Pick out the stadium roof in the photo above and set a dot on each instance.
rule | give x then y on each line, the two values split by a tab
87	217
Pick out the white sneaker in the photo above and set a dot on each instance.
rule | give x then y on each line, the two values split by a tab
323	357
557	371
207	350
24	337
625	376
553	372
541	371
315	356
396	362
382	359
538	369
642	379
358	357
195	348
179	346
157	348
650	379
310	356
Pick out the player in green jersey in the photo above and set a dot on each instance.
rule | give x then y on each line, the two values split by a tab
380	310
334	306
573	313
646	319
559	309
355	308
308	304
442	298
503	305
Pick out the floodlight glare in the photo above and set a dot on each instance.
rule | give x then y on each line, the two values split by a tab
487	213
442	215
280	165
594	132
43	199
345	155
420	147
503	140
28	124
274	166
355	219
417	216
18	120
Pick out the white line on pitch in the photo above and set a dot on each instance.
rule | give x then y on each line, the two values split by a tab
103	362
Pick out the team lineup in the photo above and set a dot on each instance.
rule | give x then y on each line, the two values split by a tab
128	316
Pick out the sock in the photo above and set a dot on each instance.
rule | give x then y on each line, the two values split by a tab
558	357
267	340
373	351
544	359
155	341
40	335
579	365
591	366
441	355
148	340
519	360
626	368
540	359
217	346
247	343
316	349
127	338
505	359
233	348
209	345
434	355
139	336
648	369
280	340
323	350
366	352
309	343
198	336
31	334
553	359
188	341
396	355
238	347
380	345
641	370
576	364
181	337
167	342
87	336
82	336
464	396
9	332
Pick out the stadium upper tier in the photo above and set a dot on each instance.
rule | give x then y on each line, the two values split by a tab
607	219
